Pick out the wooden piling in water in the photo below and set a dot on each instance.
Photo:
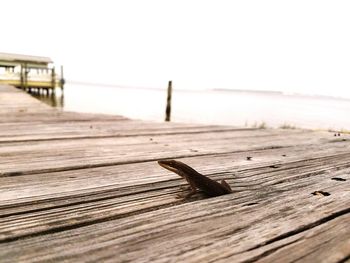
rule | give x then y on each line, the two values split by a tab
62	79
53	77
168	102
26	71
22	78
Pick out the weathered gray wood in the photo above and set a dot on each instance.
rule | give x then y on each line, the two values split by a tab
127	175
69	130
42	156
34	131
120	201
319	244
168	102
84	187
211	229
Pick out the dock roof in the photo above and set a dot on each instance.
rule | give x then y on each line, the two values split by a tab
8	58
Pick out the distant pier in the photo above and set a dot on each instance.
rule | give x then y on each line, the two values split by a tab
30	73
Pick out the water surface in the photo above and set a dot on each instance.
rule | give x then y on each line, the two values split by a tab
238	108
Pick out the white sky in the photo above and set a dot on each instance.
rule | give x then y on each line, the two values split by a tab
292	46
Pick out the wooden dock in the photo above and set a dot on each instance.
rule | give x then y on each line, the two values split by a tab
86	188
31	73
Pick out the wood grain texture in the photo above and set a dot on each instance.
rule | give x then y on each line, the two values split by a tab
84	187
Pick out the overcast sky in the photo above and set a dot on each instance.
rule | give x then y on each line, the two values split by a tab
292	46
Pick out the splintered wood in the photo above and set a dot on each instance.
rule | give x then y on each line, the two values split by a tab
86	187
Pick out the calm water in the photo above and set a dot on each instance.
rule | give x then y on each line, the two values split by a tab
210	107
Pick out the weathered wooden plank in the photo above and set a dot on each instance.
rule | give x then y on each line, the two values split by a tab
127	175
76	154
218	228
27	131
49	117
326	242
14	100
104	204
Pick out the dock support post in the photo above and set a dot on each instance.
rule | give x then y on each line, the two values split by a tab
26	72
53	77
62	79
168	102
53	81
22	77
